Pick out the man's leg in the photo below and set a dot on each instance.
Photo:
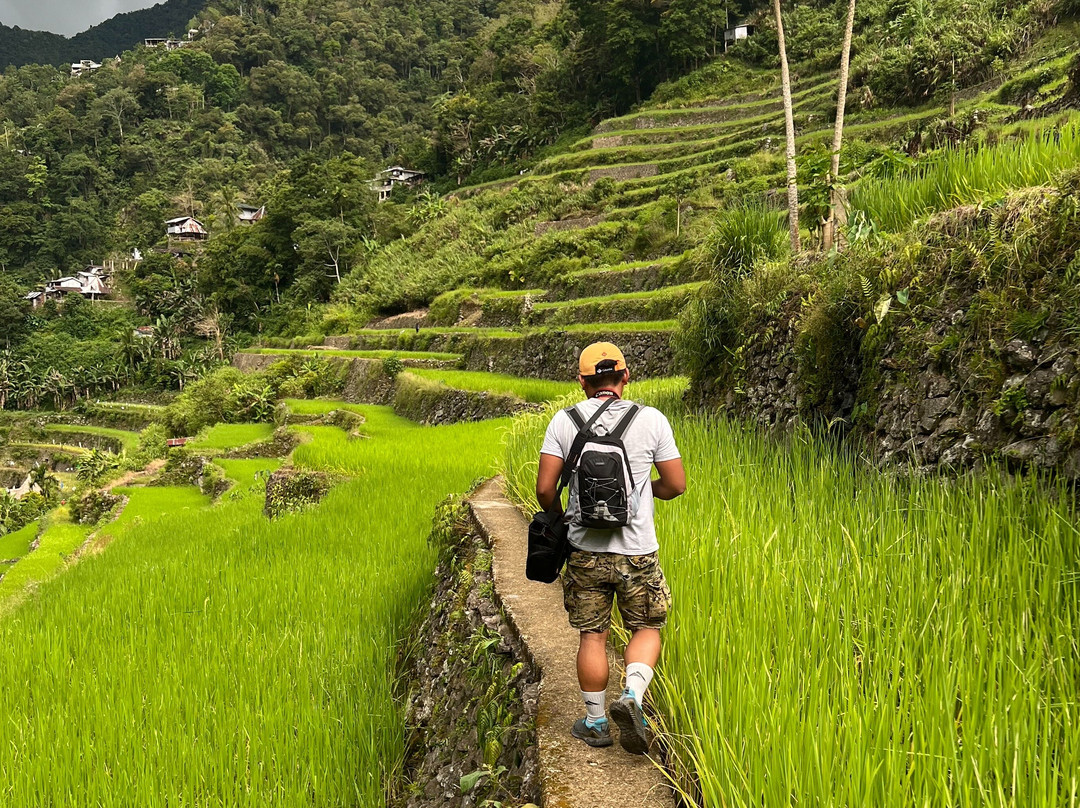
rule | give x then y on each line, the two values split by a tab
592	661
642	654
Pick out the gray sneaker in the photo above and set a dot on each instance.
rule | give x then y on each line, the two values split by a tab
598	734
633	728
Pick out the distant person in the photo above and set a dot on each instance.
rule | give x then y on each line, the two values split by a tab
611	563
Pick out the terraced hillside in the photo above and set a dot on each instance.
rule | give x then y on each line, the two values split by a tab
612	237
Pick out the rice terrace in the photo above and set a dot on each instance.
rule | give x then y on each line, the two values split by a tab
296	299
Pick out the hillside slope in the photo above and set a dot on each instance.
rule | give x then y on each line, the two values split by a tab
105	40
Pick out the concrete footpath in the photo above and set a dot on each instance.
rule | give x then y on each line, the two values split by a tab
572	774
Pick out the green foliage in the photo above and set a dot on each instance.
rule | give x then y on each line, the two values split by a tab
294	492
92	506
743	236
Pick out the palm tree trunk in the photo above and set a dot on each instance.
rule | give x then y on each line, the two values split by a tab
789	123
837	202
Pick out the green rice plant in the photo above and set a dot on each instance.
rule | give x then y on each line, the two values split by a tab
533	390
148	503
842	637
954	177
246	474
59	539
225	437
17	543
257	657
318	406
129	441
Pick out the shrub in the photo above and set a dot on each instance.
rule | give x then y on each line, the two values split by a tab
92	507
742	236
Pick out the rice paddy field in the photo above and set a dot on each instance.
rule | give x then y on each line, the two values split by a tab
216	658
533	390
842	637
224	437
59	538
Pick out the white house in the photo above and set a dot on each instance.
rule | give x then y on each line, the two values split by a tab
84	67
92	283
163	42
385	180
733	35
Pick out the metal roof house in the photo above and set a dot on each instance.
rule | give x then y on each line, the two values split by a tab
92	283
186	228
385	180
249	214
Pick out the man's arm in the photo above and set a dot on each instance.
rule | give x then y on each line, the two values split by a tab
672	482
547	480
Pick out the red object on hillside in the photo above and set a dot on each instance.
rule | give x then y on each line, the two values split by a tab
172	443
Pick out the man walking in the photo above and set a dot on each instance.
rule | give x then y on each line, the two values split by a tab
620	564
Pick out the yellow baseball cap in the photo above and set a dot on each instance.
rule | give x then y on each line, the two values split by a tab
600	354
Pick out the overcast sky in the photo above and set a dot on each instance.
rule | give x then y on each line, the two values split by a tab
64	16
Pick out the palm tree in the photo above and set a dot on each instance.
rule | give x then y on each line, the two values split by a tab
789	124
837	200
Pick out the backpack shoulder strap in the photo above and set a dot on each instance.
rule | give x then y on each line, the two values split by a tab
575	416
624	422
584	431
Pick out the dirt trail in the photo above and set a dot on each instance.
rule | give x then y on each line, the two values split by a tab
572	774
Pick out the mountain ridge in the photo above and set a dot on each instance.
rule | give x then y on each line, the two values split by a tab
20	46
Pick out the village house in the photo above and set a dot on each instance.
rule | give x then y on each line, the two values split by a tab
733	35
186	228
83	67
164	42
92	283
385	180
249	214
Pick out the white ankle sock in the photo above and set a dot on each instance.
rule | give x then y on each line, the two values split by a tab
594	704
638	677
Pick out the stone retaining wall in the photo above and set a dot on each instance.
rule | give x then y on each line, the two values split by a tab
473	690
925	411
547	354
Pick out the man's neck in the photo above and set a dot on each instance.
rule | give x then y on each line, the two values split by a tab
606	393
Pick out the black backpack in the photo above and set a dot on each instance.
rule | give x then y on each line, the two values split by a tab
548	545
602	495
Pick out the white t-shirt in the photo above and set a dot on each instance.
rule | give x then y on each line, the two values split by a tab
648	440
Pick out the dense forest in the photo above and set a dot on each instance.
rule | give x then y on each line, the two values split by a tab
99	42
295	104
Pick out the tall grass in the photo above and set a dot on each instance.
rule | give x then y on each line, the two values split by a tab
955	177
741	236
214	658
840	637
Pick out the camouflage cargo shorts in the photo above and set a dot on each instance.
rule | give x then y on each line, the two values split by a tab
592	581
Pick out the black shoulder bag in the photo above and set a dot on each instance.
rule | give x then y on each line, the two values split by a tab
549	546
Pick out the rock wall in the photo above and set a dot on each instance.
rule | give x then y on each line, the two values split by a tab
546	354
428	402
910	402
472	689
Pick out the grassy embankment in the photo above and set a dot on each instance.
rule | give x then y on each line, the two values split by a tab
257	658
843	637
